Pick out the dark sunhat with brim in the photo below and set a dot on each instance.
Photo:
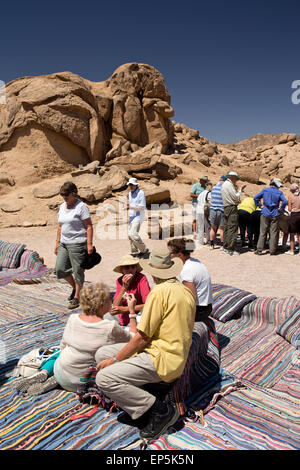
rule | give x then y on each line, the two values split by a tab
127	260
161	265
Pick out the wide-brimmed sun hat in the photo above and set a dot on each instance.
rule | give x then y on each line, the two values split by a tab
203	178
133	181
161	265
127	260
232	173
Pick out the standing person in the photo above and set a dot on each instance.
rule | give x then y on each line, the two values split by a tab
136	206
194	276
231	197
245	209
274	203
255	227
294	225
133	282
74	238
157	353
196	189
216	215
202	219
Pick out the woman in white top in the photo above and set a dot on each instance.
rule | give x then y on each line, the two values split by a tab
74	239
194	275
84	334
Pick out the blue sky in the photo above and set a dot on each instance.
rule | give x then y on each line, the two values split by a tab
228	65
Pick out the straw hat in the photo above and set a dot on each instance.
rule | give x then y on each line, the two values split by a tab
127	260
161	265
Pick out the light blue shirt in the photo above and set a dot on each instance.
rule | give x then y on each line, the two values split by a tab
137	199
196	189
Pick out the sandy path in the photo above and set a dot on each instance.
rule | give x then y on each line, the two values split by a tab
275	276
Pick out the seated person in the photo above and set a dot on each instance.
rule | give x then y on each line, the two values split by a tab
133	282
157	352
84	334
194	275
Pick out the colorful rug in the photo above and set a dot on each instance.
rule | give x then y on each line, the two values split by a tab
18	302
30	268
254	404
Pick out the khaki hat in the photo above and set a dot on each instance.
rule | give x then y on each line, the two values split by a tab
203	178
232	173
161	265
127	260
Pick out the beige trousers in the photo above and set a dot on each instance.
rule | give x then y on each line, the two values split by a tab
136	243
121	381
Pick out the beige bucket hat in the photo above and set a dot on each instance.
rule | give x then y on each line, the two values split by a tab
127	260
161	265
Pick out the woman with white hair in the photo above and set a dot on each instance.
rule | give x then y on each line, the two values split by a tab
294	208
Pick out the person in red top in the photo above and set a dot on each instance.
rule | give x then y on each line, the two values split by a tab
133	282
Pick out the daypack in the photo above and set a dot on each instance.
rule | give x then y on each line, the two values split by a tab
31	362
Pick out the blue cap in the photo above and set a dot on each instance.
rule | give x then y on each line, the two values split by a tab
223	178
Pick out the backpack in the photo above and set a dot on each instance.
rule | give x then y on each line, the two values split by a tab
31	362
206	205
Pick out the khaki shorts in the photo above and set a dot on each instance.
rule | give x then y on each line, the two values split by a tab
68	261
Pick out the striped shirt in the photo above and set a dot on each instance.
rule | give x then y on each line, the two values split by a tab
216	202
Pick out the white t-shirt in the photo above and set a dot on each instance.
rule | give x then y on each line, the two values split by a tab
70	220
80	342
194	271
202	199
137	199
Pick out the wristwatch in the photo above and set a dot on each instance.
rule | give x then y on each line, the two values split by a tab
132	315
115	359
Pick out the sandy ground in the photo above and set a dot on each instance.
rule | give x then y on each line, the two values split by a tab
275	276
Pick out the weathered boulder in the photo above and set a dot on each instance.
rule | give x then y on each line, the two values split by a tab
12	206
6	178
46	191
141	160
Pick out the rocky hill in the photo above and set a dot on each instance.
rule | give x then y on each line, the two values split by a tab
62	127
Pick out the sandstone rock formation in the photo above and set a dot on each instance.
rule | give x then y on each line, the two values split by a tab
63	127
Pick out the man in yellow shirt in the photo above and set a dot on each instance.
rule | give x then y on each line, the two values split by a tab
157	353
245	209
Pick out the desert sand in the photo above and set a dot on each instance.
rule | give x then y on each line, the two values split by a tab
274	276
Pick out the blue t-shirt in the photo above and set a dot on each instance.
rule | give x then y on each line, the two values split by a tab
271	197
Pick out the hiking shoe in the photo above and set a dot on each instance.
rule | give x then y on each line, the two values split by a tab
140	422
223	250
72	295
258	252
159	423
74	303
289	253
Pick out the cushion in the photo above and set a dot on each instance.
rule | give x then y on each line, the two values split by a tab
10	254
290	328
271	310
229	301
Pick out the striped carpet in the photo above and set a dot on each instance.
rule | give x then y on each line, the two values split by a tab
255	404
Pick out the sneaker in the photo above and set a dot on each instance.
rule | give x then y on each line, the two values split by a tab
74	303
258	252
159	423
72	295
235	253
223	250
211	247
289	253
144	255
